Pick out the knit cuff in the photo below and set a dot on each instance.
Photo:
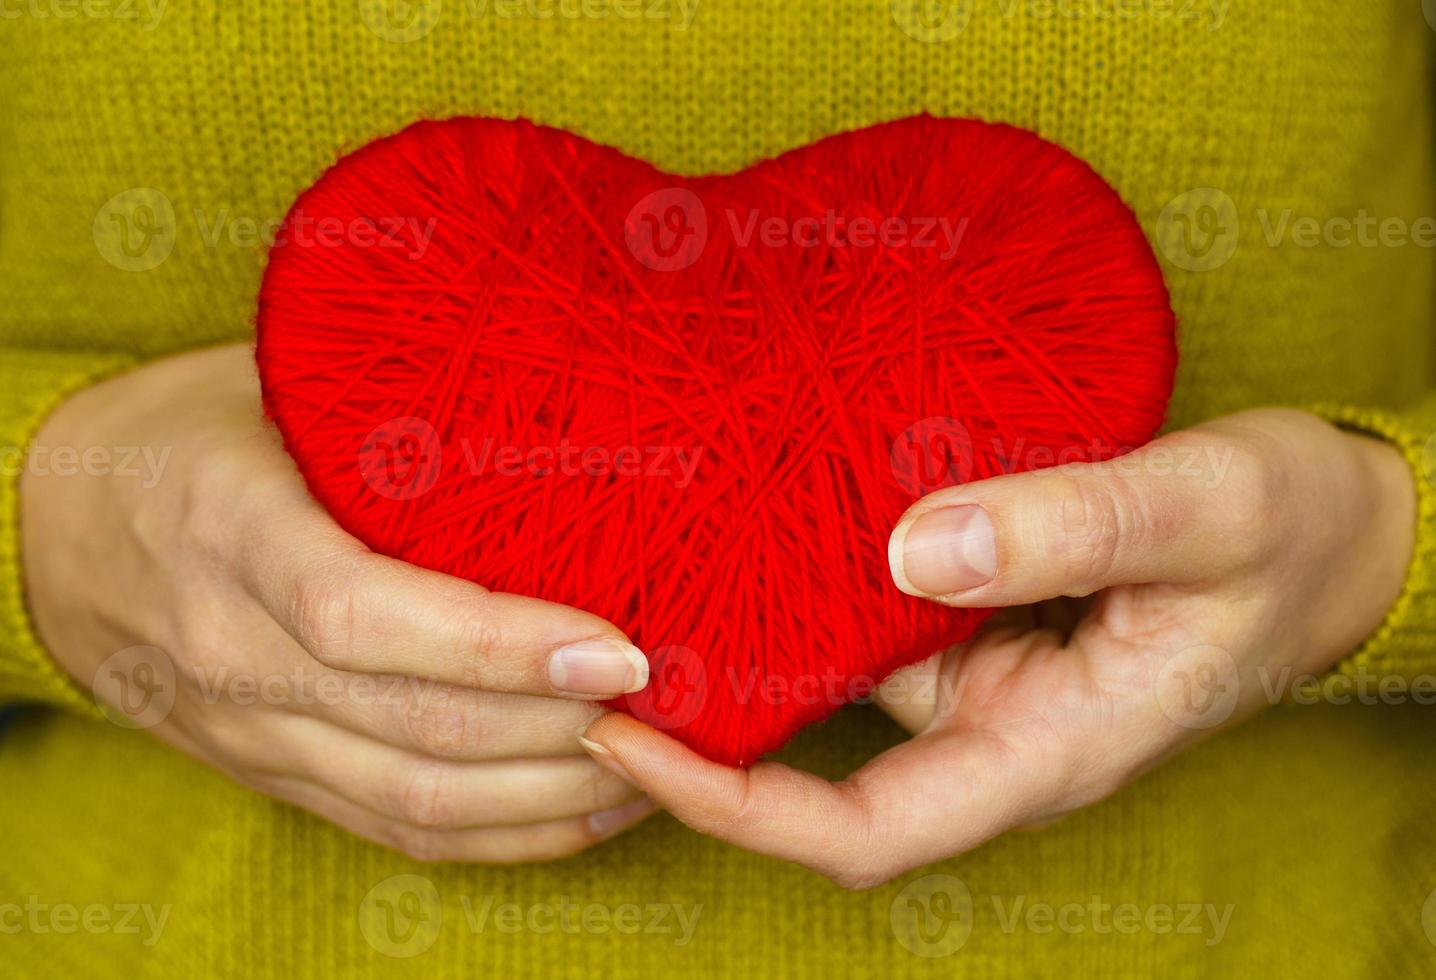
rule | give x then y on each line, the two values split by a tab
32	384
1405	643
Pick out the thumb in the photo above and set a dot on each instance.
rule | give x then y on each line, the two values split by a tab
1066	531
921	800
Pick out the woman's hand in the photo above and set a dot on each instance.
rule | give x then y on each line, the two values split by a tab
412	708
1226	561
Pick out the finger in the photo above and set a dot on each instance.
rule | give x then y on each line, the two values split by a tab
543	841
357	611
441	795
1070	531
928	798
928	691
909	695
444	721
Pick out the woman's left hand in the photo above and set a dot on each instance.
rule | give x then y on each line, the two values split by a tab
1224	564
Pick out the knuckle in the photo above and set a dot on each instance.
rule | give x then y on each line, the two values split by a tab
413	842
443	730
1255	503
860	861
1080	773
219	527
1091	520
859	878
740	808
206	531
325	615
481	645
718	815
232	518
424	797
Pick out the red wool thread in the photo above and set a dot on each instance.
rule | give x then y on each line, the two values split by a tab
696	406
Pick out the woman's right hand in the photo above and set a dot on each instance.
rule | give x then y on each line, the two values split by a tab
412	708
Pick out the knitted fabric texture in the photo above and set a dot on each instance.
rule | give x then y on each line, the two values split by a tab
144	161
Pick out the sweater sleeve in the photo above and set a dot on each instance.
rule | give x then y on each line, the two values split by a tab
1405	643
32	384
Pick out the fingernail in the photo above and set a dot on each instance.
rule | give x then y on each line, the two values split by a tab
602	667
605	758
943	551
606	823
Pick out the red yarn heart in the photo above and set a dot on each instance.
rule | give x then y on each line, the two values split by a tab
697	406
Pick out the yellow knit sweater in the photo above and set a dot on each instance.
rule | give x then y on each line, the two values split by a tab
1280	155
